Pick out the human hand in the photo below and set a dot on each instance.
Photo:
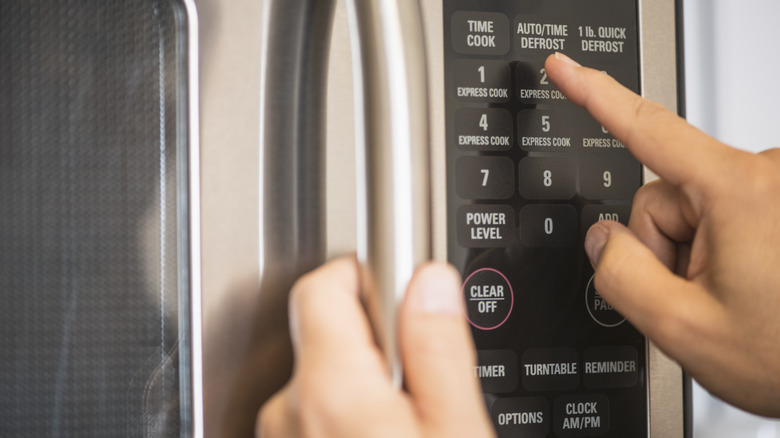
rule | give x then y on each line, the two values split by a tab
698	268
341	387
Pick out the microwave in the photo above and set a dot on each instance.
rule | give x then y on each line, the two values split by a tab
169	168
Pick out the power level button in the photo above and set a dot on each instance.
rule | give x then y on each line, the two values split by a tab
489	298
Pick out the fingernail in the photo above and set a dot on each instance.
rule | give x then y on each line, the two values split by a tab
561	57
435	289
594	242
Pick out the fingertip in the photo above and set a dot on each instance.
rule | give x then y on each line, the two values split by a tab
595	240
561	59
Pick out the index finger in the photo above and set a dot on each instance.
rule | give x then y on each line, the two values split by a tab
328	326
676	151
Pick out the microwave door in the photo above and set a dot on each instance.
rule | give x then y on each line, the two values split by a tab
246	343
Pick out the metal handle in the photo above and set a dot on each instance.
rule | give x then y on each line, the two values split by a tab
392	154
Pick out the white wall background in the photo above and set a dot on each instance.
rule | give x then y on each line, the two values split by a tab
732	50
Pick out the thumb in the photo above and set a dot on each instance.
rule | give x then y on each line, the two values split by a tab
438	353
639	286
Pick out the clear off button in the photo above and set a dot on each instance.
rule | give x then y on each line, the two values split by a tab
489	298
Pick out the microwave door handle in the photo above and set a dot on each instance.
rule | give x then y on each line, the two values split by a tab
392	157
294	65
291	191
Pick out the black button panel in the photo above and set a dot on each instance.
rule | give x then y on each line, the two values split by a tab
528	173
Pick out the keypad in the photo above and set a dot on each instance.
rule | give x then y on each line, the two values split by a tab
528	173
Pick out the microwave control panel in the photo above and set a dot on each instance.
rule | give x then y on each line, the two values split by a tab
528	173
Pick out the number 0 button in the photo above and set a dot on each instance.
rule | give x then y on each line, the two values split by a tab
484	177
548	225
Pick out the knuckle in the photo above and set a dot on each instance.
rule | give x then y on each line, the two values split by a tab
319	406
272	418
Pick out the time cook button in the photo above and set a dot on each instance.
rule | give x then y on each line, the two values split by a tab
489	298
480	33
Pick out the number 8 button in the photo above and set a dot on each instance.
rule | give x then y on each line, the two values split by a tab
546	178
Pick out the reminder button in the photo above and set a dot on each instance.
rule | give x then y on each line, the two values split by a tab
480	33
611	367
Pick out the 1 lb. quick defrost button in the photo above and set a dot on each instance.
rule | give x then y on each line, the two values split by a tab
489	298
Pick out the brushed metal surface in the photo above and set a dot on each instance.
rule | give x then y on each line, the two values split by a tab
658	72
263	192
392	156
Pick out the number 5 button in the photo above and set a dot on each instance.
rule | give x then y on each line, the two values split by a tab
484	177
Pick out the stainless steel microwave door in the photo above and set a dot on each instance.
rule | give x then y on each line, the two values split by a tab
94	248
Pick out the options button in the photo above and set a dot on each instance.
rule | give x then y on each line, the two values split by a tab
527	417
489	298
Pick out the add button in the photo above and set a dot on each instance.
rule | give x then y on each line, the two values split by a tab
489	298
